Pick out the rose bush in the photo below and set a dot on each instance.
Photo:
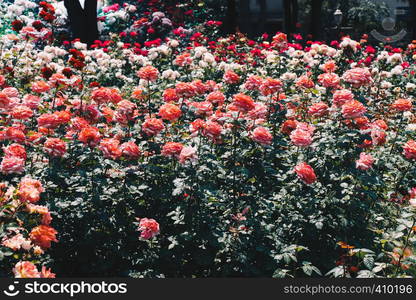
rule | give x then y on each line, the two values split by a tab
204	157
25	230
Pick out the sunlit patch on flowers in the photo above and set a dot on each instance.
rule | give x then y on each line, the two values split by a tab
274	148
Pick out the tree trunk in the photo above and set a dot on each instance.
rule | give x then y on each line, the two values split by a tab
316	19
286	6
231	19
295	6
245	20
83	21
291	15
263	16
413	20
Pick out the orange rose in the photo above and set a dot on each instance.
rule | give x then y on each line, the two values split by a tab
353	109
148	73
270	86
243	103
21	112
169	95
329	80
152	126
43	235
172	149
170	112
25	269
30	190
90	136
231	77
402	105
110	148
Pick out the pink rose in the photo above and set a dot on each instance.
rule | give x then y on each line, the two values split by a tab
130	150
126	107
46	273
253	83
152	126
357	77
365	162
110	148
55	147
148	227
212	130
318	109
15	150
188	153
410	149
329	80
12	164
306	173
4	101
262	136
16	242
216	97
172	149
31	101
259	112
25	269
301	137
340	97
353	109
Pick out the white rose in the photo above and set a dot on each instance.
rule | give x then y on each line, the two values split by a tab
410	87
173	43
132	8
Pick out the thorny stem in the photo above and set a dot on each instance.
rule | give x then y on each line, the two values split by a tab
405	246
393	144
234	158
149	99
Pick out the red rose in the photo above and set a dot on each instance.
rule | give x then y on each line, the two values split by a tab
305	173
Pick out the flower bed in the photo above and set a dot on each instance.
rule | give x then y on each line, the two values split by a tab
202	157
